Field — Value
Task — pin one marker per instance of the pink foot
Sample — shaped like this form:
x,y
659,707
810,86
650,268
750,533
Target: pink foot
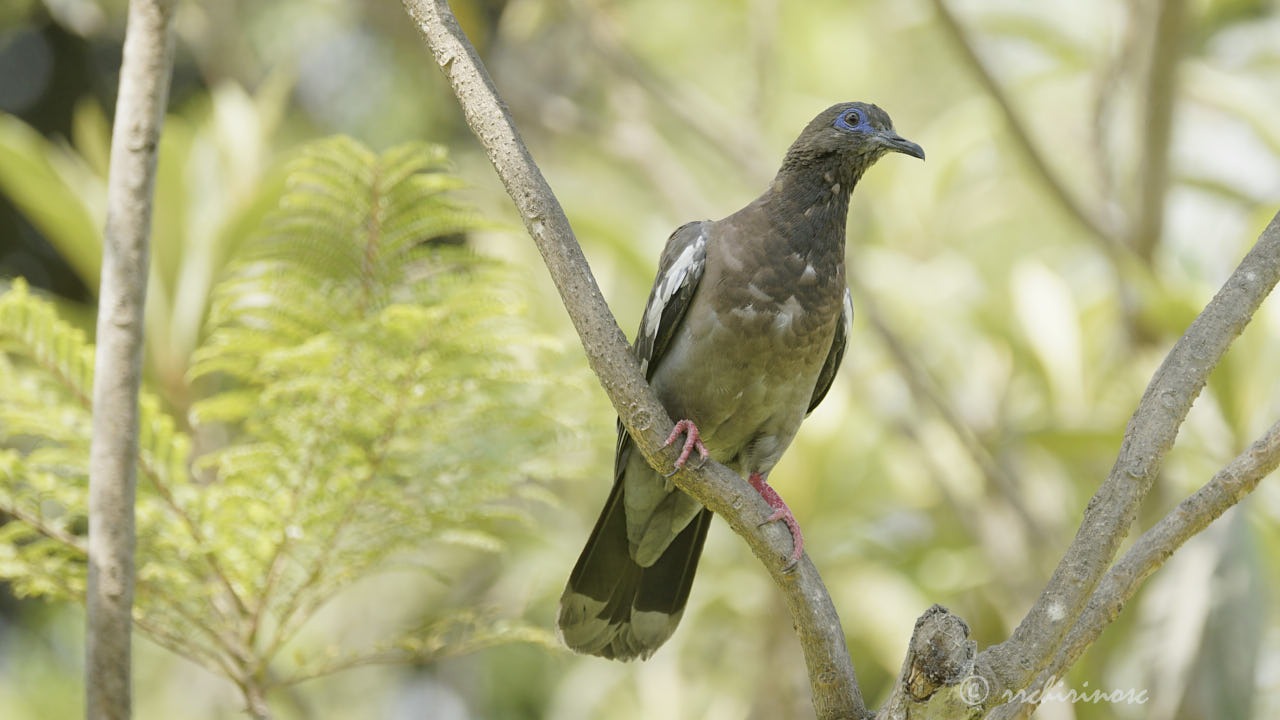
x,y
692,441
780,512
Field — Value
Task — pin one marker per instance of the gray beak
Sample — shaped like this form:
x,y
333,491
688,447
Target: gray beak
x,y
897,143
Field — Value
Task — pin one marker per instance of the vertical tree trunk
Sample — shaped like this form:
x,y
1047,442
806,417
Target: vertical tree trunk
x,y
144,90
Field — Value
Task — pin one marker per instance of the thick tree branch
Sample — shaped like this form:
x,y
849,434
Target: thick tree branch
x,y
144,90
1148,437
834,686
1061,626
1228,487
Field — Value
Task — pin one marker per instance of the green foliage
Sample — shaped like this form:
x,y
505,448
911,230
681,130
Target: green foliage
x,y
646,115
213,187
367,401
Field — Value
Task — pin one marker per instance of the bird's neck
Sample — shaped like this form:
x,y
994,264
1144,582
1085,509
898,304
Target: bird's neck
x,y
808,201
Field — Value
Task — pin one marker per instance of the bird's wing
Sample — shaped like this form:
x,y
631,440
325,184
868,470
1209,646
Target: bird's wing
x,y
835,355
679,270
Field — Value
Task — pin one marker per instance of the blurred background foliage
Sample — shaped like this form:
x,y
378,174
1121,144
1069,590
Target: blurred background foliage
x,y
1095,171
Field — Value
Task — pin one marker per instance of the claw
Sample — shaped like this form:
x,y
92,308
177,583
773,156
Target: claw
x,y
692,441
780,512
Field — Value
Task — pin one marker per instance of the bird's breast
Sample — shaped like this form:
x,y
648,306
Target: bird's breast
x,y
744,363
791,298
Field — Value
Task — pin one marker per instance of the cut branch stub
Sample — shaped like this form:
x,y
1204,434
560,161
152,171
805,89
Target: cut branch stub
x,y
941,653
937,679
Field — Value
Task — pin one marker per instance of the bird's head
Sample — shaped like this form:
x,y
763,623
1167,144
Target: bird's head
x,y
854,134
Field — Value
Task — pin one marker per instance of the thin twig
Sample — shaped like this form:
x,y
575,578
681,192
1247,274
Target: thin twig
x,y
255,698
1099,224
1106,90
275,567
300,607
207,553
182,645
394,657
1106,225
53,533
644,148
733,139
832,680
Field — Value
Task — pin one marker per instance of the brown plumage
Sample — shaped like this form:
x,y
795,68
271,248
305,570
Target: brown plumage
x,y
744,330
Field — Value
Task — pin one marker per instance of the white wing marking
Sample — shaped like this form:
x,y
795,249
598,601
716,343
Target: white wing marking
x,y
672,281
847,315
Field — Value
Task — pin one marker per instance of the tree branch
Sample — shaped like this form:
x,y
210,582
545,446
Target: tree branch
x,y
144,89
1147,439
834,686
1061,626
51,531
1228,487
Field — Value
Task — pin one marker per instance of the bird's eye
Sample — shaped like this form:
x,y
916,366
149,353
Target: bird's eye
x,y
850,120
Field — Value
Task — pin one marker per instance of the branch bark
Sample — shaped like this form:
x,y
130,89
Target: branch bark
x,y
144,90
1239,478
832,680
939,660
1061,626
1147,439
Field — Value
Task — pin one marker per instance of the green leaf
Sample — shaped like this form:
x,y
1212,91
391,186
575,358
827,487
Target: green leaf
x,y
51,186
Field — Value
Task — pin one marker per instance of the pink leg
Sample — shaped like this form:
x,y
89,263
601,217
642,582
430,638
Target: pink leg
x,y
780,512
692,441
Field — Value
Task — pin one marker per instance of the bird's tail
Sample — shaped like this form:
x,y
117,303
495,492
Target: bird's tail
x,y
613,607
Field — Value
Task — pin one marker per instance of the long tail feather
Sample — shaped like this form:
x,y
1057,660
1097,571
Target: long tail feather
x,y
613,607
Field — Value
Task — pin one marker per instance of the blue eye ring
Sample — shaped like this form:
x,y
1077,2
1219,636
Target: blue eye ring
x,y
852,119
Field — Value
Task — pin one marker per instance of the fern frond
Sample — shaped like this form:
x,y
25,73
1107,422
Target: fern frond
x,y
369,397
379,387
337,244
46,368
